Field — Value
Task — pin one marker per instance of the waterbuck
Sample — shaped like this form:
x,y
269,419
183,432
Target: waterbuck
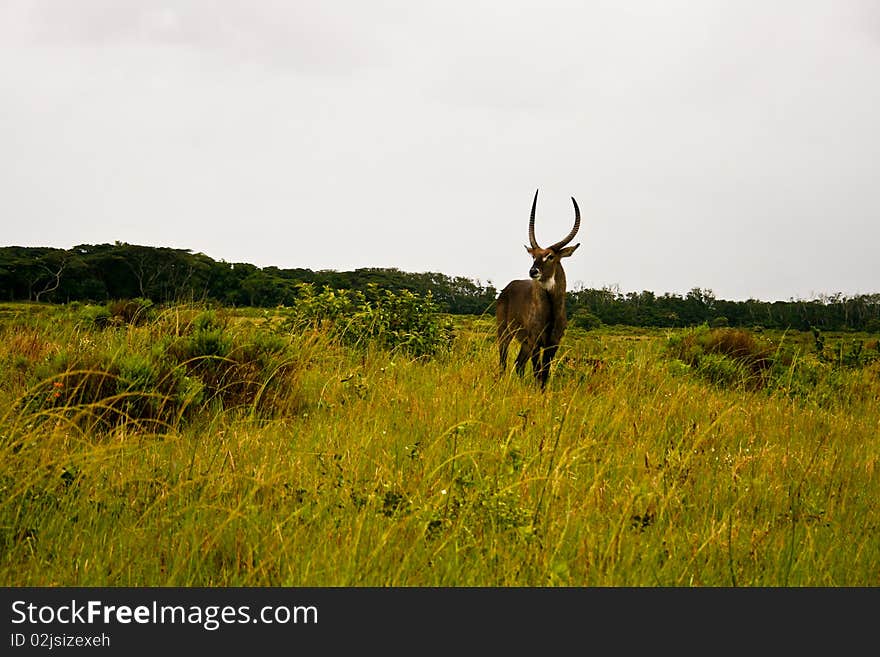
x,y
533,310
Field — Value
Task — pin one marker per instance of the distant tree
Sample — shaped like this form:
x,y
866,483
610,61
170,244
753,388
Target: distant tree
x,y
54,266
104,272
584,319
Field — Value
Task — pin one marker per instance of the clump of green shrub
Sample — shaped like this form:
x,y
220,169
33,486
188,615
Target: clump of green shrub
x,y
736,358
122,312
395,320
756,353
165,374
131,311
853,355
584,319
725,356
98,316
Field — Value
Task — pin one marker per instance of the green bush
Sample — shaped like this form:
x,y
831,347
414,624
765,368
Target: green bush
x,y
98,316
738,344
854,355
162,382
392,320
724,356
584,319
130,311
722,370
736,358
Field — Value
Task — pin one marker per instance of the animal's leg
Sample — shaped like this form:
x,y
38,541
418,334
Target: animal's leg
x,y
521,358
536,363
503,344
546,357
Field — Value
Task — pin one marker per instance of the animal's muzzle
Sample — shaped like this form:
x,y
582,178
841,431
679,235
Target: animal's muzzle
x,y
534,272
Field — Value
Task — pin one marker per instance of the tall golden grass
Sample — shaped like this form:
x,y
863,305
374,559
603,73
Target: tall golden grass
x,y
372,468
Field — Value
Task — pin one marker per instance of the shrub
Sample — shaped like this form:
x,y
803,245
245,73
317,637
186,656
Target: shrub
x,y
392,320
98,316
856,355
130,311
584,319
737,344
159,383
721,370
725,356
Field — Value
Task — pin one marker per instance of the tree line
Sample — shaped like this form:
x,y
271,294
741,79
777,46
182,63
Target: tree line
x,y
835,312
103,272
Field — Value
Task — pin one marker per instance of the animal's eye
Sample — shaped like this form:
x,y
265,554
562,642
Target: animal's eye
x,y
548,258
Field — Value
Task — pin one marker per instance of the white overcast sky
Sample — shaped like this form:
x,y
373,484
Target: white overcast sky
x,y
724,144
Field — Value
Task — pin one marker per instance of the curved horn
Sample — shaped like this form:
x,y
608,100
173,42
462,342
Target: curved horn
x,y
570,236
532,239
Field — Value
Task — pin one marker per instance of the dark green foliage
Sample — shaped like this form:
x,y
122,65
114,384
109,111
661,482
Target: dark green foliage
x,y
100,273
103,272
584,319
699,306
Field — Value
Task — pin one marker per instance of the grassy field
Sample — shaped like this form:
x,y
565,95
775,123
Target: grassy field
x,y
222,448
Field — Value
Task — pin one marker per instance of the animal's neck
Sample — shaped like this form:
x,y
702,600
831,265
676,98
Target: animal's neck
x,y
555,289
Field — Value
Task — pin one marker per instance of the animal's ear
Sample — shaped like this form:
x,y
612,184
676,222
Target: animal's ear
x,y
567,251
530,250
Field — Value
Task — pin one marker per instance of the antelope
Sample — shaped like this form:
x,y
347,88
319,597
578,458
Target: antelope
x,y
533,310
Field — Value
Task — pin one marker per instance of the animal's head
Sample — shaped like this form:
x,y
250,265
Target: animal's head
x,y
545,262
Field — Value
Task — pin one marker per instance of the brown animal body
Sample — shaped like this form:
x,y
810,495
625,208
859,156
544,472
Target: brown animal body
x,y
532,310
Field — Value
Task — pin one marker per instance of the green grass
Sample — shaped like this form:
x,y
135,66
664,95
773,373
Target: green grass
x,y
373,468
